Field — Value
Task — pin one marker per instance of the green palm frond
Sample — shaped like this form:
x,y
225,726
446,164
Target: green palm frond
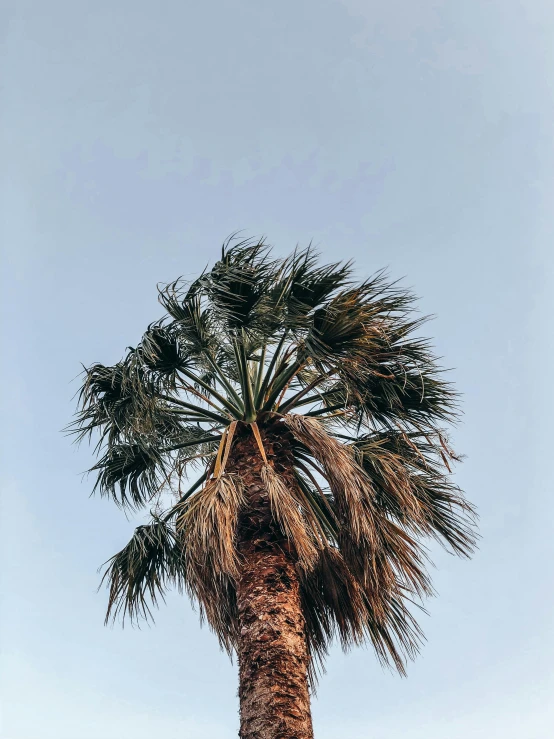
x,y
238,285
142,572
104,398
134,473
162,349
409,398
130,474
305,286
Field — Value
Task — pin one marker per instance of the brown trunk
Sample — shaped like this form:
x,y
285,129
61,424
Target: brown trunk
x,y
273,656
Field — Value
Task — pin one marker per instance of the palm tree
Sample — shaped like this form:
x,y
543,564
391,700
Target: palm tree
x,y
315,418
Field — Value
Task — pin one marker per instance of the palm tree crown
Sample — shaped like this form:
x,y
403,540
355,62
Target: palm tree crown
x,y
345,408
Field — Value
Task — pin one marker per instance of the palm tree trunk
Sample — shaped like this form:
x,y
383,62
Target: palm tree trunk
x,y
273,656
273,660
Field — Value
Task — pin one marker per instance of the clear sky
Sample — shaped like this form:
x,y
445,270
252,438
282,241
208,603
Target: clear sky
x,y
409,134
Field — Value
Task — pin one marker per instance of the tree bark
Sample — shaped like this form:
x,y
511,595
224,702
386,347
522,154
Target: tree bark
x,y
273,657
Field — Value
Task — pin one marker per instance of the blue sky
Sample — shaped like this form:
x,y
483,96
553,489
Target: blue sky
x,y
410,135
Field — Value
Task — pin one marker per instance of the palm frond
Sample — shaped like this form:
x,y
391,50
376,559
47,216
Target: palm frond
x,y
332,601
238,284
306,286
292,517
341,327
394,635
380,554
410,478
142,571
130,474
161,349
207,522
347,481
107,402
335,604
413,398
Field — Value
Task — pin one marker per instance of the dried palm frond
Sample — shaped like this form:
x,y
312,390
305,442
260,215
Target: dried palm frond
x,y
409,474
207,523
335,604
381,555
292,518
350,486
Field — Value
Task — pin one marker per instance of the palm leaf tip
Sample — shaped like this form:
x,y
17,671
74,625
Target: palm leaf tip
x,y
130,474
336,604
161,350
142,571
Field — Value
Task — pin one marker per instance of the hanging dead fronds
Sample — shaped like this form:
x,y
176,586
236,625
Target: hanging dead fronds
x,y
350,487
207,523
381,555
289,514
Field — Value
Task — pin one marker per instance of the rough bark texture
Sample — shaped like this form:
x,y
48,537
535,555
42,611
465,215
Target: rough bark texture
x,y
273,657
